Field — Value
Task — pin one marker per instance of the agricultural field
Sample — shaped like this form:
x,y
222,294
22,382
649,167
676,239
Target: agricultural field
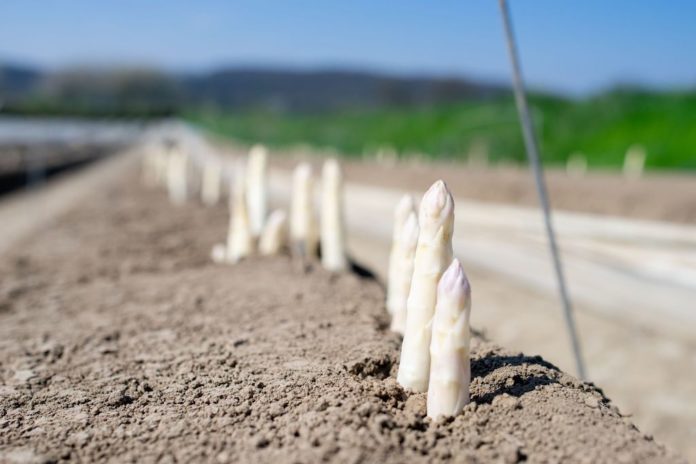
x,y
347,232
140,323
602,128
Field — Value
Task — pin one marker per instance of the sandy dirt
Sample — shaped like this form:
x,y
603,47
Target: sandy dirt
x,y
616,349
120,341
616,352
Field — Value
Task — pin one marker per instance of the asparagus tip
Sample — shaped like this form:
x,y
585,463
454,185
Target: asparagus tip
x,y
437,200
454,280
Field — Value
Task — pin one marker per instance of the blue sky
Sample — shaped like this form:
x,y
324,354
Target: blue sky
x,y
579,46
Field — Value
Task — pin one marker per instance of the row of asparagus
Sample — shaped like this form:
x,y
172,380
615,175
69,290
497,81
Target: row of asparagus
x,y
428,293
251,229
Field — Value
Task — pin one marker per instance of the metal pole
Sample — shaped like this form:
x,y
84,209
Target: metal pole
x,y
532,149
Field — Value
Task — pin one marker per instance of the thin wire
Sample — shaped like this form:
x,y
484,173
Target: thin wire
x,y
532,149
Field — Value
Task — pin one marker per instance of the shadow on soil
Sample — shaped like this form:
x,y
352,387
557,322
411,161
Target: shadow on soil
x,y
515,384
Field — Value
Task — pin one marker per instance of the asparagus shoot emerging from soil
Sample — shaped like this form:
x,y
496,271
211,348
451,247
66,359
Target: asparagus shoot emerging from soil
x,y
240,243
212,175
402,211
333,256
177,182
403,272
256,188
219,253
274,236
450,372
303,229
433,254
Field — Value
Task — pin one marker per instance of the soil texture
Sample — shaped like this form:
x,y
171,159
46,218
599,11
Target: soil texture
x,y
121,342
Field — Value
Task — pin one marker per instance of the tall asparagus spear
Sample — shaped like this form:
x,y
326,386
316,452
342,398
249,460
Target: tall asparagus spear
x,y
433,254
303,229
256,188
450,371
333,256
177,182
240,242
212,174
402,211
403,272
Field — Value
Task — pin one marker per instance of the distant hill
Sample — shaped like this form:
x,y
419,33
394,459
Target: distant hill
x,y
230,89
328,90
17,81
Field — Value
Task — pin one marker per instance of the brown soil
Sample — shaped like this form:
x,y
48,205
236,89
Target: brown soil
x,y
120,341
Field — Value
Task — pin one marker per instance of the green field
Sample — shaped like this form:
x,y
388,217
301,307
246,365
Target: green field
x,y
602,128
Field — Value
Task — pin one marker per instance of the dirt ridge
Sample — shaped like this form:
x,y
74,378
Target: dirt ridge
x,y
121,342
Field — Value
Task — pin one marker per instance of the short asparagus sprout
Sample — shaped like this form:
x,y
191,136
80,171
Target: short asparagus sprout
x,y
219,253
433,254
256,188
274,236
303,228
634,161
333,255
450,371
576,166
212,177
401,213
403,272
240,242
177,182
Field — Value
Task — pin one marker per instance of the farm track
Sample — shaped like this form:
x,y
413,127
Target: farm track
x,y
121,341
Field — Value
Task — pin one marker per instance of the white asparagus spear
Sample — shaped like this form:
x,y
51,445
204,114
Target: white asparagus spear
x,y
433,254
161,166
177,182
402,211
303,229
333,256
212,176
403,271
274,236
256,188
450,371
240,242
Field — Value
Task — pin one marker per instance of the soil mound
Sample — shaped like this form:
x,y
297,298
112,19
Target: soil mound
x,y
120,341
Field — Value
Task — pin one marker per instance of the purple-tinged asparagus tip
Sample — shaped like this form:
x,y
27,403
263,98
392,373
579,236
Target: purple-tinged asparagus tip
x,y
454,283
